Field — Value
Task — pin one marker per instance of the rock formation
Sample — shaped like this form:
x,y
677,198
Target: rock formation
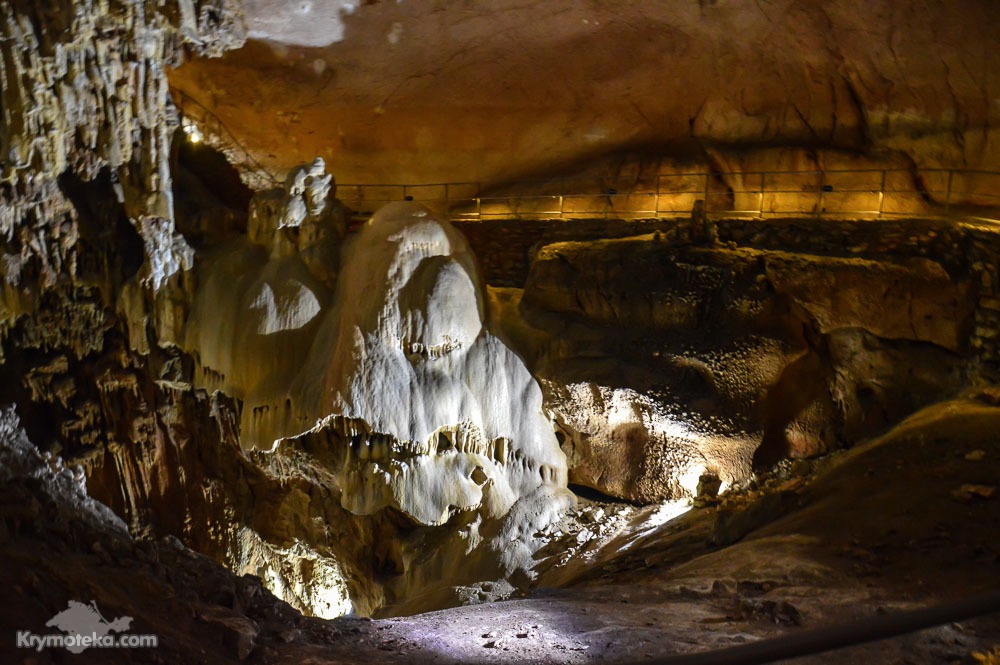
x,y
434,413
665,361
57,544
475,92
236,408
390,389
85,89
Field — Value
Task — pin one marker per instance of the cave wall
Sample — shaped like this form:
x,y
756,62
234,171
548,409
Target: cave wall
x,y
691,352
507,247
483,91
85,89
98,286
94,273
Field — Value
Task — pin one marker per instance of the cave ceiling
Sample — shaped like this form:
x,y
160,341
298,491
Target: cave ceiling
x,y
240,412
416,92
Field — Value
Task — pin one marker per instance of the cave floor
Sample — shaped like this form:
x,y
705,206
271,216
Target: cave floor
x,y
882,527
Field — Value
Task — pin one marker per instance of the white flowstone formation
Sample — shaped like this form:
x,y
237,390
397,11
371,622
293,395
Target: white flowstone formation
x,y
428,411
261,299
308,189
387,390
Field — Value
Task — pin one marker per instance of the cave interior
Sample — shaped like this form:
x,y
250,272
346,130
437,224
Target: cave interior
x,y
500,332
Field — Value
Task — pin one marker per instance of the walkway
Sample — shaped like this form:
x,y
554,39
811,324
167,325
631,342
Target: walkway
x,y
868,193
858,194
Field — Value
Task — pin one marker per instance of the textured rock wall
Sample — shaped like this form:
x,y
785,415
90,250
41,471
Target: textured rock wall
x,y
167,458
85,89
94,291
489,91
667,358
90,268
505,249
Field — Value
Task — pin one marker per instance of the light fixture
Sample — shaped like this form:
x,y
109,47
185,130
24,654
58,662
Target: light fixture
x,y
192,131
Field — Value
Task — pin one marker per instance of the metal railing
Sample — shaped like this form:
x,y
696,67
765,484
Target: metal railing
x,y
217,135
845,193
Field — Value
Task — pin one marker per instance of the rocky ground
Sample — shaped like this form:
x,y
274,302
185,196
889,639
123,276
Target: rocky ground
x,y
899,522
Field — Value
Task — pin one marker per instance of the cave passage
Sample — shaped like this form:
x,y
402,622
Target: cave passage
x,y
479,333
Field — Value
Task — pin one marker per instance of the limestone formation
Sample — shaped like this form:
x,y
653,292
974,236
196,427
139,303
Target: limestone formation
x,y
397,370
627,444
410,96
391,392
663,361
238,408
261,296
85,89
432,412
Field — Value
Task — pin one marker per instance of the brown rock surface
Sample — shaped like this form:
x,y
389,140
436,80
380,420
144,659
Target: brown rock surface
x,y
490,91
665,361
136,274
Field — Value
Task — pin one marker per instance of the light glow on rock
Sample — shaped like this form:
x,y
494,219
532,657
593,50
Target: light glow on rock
x,y
192,131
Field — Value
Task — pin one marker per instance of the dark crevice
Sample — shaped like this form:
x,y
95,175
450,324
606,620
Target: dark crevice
x,y
109,246
596,496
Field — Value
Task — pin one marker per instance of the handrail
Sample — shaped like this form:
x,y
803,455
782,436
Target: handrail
x,y
472,200
714,173
875,193
222,137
